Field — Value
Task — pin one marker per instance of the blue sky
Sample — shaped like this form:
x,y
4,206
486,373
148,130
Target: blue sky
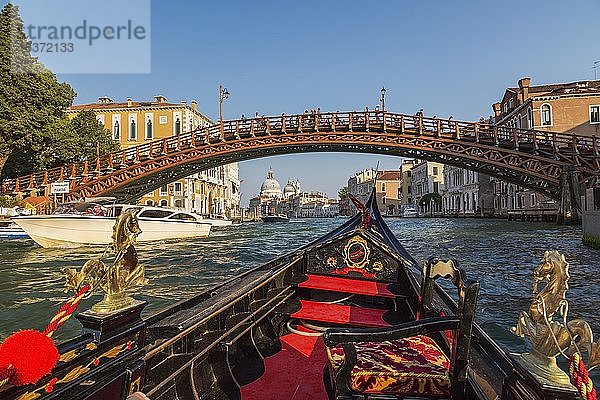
x,y
447,57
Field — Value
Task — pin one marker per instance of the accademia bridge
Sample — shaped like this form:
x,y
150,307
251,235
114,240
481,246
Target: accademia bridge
x,y
555,164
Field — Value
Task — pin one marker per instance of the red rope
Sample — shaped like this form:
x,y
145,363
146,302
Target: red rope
x,y
61,316
580,377
65,311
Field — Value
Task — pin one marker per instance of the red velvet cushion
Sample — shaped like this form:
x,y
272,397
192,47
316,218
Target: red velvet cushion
x,y
413,366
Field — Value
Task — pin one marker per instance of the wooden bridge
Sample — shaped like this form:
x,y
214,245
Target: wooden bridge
x,y
547,162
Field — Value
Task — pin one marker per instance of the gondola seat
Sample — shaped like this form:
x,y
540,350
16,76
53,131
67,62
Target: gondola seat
x,y
414,365
424,358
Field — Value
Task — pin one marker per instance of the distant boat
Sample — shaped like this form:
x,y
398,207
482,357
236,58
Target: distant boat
x,y
10,230
410,212
275,218
82,224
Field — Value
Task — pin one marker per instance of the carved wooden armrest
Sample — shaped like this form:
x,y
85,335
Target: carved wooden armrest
x,y
424,326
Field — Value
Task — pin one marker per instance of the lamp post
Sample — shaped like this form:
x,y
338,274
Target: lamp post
x,y
223,94
382,98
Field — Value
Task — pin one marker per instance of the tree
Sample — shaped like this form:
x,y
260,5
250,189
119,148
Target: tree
x,y
343,193
32,101
67,141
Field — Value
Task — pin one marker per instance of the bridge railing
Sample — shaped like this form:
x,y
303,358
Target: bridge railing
x,y
569,146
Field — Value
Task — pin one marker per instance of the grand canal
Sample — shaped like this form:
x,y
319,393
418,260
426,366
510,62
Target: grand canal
x,y
500,254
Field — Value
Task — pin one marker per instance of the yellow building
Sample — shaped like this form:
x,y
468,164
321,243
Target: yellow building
x,y
211,192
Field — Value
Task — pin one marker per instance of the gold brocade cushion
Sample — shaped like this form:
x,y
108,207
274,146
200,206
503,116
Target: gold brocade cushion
x,y
412,366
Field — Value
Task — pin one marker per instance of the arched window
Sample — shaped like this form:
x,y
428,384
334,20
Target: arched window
x,y
546,114
177,126
163,203
149,202
116,131
132,132
149,132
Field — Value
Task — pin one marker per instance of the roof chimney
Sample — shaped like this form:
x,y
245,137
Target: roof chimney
x,y
160,99
497,109
524,85
194,105
104,100
129,102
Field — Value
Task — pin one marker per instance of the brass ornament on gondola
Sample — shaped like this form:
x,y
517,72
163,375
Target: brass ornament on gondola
x,y
356,253
113,280
550,337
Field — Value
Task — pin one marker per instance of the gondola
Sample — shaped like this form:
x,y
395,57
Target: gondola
x,y
350,315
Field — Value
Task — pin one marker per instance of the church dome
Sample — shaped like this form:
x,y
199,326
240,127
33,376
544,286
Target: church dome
x,y
289,189
270,186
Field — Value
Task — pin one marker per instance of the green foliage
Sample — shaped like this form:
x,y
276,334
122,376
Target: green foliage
x,y
343,192
32,101
10,202
426,199
592,241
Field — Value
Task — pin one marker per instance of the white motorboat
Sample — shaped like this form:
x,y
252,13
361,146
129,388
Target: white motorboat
x,y
10,230
218,220
410,211
91,224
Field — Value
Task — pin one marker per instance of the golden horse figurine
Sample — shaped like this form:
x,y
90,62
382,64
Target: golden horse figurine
x,y
116,279
548,337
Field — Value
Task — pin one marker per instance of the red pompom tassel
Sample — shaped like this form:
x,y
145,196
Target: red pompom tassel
x,y
31,353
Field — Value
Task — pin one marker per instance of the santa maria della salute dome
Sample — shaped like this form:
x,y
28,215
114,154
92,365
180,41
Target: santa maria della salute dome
x,y
270,187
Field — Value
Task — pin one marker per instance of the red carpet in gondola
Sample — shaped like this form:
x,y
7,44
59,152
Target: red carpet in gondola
x,y
345,285
340,314
296,372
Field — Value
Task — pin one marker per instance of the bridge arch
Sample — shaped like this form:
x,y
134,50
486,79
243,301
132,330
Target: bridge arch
x,y
533,159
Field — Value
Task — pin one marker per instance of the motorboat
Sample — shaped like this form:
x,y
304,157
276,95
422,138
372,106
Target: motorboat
x,y
275,218
10,230
410,211
350,315
218,220
91,223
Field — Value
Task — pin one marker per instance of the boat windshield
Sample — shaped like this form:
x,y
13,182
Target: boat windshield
x,y
183,217
81,209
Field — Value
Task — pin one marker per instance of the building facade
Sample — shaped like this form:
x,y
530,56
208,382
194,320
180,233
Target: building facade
x,y
427,184
291,202
406,195
131,123
466,193
564,107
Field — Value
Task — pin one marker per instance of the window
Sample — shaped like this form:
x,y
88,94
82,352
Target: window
x,y
155,213
132,132
435,170
532,200
383,187
183,217
116,131
178,188
529,118
164,191
149,202
163,203
594,114
546,115
149,133
177,126
510,103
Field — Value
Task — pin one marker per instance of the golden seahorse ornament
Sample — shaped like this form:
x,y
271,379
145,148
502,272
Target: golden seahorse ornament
x,y
550,337
113,280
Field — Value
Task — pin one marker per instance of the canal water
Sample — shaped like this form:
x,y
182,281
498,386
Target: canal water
x,y
500,254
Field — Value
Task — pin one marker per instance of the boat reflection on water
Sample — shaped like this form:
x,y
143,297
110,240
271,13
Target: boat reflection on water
x,y
350,315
